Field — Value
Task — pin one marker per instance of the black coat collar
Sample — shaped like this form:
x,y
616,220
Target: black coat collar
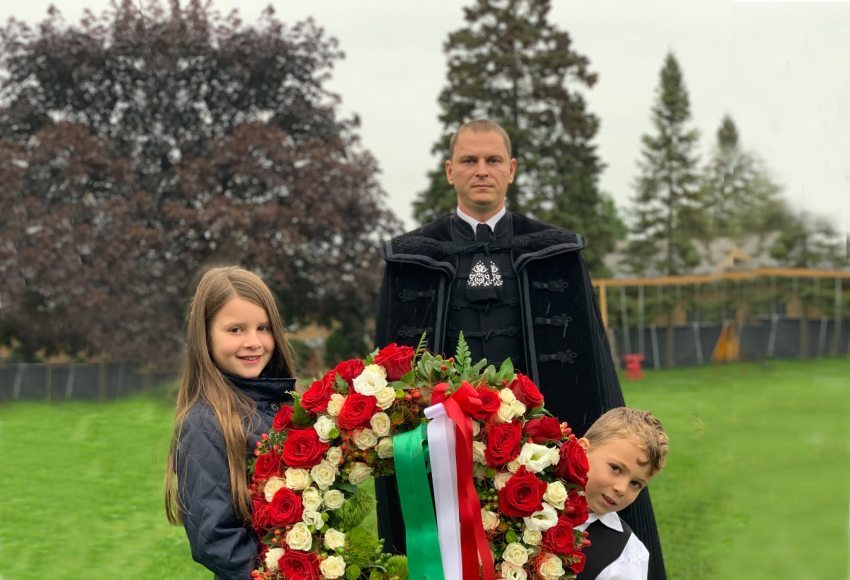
x,y
433,241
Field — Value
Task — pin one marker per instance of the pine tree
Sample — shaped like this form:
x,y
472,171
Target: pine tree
x,y
739,198
666,206
511,65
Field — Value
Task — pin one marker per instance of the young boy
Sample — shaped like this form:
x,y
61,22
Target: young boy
x,y
625,449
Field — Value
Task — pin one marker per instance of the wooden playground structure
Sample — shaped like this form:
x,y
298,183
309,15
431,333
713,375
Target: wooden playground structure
x,y
817,301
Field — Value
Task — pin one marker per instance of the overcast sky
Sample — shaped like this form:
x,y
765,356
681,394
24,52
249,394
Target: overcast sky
x,y
780,69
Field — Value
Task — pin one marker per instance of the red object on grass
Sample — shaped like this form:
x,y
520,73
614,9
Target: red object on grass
x,y
633,366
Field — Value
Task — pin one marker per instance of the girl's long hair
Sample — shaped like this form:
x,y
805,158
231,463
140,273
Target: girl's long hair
x,y
202,381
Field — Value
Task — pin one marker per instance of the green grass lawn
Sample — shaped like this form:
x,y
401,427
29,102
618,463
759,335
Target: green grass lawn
x,y
756,485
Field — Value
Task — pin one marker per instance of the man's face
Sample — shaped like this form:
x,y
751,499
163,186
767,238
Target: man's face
x,y
480,171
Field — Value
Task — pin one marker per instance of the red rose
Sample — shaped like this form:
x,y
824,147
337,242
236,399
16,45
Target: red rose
x,y
396,359
302,448
490,403
315,399
526,391
559,538
503,443
283,418
575,508
542,429
298,564
356,411
266,465
577,564
522,495
573,465
285,508
348,370
260,516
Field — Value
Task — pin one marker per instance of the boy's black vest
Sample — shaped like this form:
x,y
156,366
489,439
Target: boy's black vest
x,y
606,545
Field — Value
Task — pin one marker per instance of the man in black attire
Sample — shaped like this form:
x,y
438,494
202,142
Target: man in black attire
x,y
517,288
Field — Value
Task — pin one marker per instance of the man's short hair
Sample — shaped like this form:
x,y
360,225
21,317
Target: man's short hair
x,y
480,126
641,426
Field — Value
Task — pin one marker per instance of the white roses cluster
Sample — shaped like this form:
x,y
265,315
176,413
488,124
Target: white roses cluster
x,y
511,406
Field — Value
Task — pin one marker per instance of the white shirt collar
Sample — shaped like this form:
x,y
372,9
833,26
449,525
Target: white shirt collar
x,y
474,222
611,520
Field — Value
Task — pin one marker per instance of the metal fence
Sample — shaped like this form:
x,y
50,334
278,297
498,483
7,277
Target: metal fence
x,y
771,337
77,381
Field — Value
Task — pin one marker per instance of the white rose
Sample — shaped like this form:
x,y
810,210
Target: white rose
x,y
334,499
518,407
536,457
515,553
478,448
476,428
385,397
385,448
556,494
511,572
381,424
513,466
332,567
297,478
489,519
311,499
271,487
299,537
542,520
334,539
359,473
365,438
272,556
335,404
325,426
334,456
371,380
313,518
505,414
532,537
507,395
324,474
551,568
501,479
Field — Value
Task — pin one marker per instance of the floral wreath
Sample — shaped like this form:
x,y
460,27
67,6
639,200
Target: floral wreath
x,y
524,473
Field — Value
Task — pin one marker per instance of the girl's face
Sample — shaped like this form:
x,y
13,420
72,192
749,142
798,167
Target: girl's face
x,y
241,339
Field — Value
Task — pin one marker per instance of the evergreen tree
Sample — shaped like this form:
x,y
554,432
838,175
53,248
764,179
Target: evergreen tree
x,y
807,241
511,65
666,206
739,197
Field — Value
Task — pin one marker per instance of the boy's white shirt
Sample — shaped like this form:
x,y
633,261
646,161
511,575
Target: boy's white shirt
x,y
633,563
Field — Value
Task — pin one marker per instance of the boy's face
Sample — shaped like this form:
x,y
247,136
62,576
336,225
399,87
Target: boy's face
x,y
618,471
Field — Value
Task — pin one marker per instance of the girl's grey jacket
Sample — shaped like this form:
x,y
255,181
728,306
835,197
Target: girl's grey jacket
x,y
219,540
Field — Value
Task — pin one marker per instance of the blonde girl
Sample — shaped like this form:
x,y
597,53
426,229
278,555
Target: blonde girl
x,y
238,370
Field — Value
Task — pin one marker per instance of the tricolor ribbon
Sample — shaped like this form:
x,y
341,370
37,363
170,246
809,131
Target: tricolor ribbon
x,y
474,546
423,547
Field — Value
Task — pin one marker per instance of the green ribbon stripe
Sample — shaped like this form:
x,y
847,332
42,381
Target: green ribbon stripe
x,y
423,544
